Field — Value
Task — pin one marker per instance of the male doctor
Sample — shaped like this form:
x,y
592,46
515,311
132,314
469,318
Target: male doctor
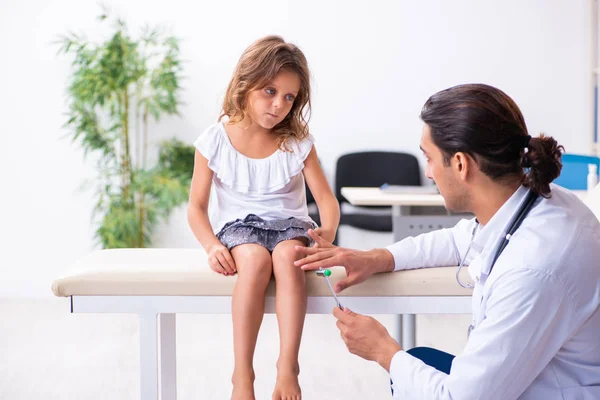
x,y
533,254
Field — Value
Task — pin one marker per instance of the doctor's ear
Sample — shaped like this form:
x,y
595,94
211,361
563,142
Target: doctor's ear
x,y
461,163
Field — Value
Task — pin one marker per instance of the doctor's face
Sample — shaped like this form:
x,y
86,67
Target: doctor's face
x,y
445,177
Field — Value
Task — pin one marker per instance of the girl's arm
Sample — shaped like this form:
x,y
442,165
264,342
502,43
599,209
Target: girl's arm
x,y
329,208
219,257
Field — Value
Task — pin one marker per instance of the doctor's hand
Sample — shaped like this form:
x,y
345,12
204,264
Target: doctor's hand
x,y
366,337
359,265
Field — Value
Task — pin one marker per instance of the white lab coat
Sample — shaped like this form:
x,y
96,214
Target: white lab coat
x,y
536,317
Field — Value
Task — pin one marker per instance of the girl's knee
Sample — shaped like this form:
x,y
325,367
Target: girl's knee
x,y
286,251
251,252
252,259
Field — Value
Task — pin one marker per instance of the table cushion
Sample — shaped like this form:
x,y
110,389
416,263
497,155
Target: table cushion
x,y
185,272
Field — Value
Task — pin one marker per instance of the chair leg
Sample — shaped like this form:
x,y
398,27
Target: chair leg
x,y
408,331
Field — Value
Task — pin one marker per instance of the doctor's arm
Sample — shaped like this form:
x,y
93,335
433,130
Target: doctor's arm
x,y
439,248
527,321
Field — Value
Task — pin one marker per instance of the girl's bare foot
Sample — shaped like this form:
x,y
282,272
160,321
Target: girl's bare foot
x,y
287,386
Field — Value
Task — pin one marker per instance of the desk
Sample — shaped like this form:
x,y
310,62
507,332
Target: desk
x,y
369,196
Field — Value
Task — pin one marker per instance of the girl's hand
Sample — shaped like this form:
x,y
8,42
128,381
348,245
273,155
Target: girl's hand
x,y
328,236
220,260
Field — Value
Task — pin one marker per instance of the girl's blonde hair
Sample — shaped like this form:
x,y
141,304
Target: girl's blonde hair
x,y
258,65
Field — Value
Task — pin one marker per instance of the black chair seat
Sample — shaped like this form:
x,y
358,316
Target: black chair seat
x,y
378,223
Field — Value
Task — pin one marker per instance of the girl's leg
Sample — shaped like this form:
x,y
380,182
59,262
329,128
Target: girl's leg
x,y
290,306
254,268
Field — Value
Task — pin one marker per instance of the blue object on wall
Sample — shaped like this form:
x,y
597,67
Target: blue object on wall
x,y
574,172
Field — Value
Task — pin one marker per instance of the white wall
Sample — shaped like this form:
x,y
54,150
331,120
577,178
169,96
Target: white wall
x,y
374,65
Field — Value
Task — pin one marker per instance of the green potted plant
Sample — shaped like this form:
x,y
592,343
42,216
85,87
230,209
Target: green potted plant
x,y
115,88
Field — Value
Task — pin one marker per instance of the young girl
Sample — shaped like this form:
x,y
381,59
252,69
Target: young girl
x,y
257,161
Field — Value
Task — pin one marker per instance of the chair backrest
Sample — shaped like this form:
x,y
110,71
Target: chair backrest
x,y
574,172
374,168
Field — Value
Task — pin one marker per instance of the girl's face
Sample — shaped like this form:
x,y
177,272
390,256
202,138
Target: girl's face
x,y
270,105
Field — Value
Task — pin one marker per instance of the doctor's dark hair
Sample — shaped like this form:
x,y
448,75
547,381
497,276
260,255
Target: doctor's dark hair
x,y
486,124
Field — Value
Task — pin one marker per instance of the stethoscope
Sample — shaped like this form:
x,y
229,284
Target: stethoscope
x,y
514,224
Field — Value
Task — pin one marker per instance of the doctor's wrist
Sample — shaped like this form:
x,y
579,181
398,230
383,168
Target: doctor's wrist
x,y
389,349
383,260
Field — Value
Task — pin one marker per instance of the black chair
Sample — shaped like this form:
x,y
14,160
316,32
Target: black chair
x,y
373,169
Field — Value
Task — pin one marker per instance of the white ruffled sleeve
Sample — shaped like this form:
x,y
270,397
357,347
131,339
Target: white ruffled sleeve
x,y
208,144
302,149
